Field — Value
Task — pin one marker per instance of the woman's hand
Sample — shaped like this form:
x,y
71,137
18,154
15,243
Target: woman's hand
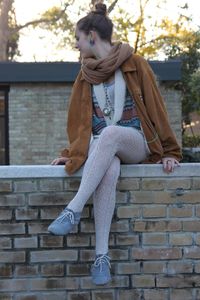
x,y
169,163
60,161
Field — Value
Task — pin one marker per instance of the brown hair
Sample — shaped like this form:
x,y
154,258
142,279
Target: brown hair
x,y
98,21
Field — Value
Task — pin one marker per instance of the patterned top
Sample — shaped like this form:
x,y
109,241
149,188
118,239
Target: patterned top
x,y
129,116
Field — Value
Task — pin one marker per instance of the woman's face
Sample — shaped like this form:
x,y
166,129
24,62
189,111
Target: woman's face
x,y
83,43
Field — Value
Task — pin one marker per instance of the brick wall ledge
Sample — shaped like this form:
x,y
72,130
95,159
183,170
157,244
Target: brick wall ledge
x,y
48,171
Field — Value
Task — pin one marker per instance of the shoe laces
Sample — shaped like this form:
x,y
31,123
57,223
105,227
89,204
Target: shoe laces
x,y
66,214
102,259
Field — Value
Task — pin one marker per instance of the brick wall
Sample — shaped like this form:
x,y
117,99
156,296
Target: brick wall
x,y
37,120
154,239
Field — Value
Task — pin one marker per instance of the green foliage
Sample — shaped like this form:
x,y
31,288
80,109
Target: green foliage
x,y
194,85
191,141
62,26
188,52
190,156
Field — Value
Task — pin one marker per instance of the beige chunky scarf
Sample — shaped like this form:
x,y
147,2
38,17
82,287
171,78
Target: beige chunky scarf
x,y
96,71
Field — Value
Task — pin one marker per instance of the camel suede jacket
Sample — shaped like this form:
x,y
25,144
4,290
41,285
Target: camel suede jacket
x,y
150,106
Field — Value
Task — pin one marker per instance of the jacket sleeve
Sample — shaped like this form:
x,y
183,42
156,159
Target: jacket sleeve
x,y
156,110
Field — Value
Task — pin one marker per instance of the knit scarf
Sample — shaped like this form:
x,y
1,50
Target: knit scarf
x,y
96,71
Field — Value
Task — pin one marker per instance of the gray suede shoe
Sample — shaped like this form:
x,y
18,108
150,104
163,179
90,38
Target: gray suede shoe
x,y
100,270
64,222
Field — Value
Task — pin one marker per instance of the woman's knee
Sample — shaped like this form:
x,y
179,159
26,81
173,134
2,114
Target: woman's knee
x,y
110,133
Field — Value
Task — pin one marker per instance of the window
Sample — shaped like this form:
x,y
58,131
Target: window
x,y
4,151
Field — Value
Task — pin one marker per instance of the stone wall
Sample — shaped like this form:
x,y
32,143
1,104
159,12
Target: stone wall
x,y
37,120
154,240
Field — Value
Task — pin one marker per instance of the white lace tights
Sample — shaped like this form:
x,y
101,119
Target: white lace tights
x,y
100,174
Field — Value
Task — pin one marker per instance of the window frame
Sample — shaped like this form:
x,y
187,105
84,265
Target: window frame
x,y
6,89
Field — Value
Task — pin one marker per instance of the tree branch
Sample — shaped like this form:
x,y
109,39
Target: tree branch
x,y
39,21
112,6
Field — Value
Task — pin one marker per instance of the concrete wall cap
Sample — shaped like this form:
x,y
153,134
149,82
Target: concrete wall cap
x,y
48,171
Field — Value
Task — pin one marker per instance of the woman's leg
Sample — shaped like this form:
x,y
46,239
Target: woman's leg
x,y
126,143
104,205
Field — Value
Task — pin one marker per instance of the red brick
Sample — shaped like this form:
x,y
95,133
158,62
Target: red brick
x,y
14,285
12,257
26,214
5,271
103,295
128,211
128,268
38,228
117,282
50,199
193,226
144,281
154,211
127,239
120,226
155,253
121,197
197,210
27,242
154,267
79,296
129,294
87,255
5,186
154,238
54,284
54,255
50,241
180,239
196,183
185,211
178,267
156,294
6,296
118,254
128,184
192,252
26,271
176,281
49,213
51,185
12,200
72,184
25,186
78,241
151,197
5,214
156,226
153,184
180,294
18,228
5,243
28,296
54,270
78,269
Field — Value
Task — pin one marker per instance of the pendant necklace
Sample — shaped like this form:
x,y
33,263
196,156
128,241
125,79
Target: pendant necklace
x,y
108,109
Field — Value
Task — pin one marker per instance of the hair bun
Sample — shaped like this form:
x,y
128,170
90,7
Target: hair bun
x,y
100,9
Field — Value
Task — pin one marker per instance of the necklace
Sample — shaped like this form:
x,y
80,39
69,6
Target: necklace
x,y
108,109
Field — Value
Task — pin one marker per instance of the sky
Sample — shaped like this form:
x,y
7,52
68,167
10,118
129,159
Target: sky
x,y
39,45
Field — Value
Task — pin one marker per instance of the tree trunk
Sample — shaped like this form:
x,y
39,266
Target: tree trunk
x,y
6,6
